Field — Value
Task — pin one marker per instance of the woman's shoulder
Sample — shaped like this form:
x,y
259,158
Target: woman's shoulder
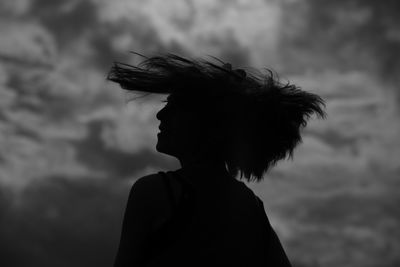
x,y
153,184
144,185
148,179
150,192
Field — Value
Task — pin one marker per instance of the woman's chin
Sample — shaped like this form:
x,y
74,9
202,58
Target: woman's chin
x,y
159,148
161,145
163,150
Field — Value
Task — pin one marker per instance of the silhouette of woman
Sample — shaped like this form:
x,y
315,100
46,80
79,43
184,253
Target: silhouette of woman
x,y
219,123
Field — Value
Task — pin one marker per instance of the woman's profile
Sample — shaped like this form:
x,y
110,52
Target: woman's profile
x,y
220,123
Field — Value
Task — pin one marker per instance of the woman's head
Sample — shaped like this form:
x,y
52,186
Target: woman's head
x,y
249,121
182,132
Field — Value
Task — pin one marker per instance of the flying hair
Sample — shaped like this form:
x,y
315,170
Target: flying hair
x,y
262,118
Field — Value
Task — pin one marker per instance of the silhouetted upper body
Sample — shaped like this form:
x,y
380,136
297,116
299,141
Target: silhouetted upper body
x,y
218,122
220,223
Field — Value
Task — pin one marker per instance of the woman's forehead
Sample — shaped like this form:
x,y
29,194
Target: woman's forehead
x,y
186,102
192,100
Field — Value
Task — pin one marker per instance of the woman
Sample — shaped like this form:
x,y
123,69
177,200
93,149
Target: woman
x,y
219,123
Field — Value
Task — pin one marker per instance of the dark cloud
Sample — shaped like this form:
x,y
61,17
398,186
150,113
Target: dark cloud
x,y
58,221
230,49
65,221
145,39
360,226
339,140
66,19
342,34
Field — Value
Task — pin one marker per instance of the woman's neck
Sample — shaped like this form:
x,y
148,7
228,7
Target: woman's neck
x,y
201,172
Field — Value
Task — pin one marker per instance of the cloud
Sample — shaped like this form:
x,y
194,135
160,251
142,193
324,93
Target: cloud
x,y
42,106
102,150
72,147
14,8
362,122
26,43
201,27
65,19
358,221
345,35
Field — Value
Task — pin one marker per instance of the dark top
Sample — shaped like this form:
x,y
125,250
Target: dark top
x,y
222,225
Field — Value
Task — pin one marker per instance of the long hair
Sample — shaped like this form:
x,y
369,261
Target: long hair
x,y
261,117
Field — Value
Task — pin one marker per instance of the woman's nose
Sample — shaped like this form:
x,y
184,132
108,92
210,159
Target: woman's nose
x,y
161,114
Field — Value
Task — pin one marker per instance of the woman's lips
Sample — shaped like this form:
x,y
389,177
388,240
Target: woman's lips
x,y
162,130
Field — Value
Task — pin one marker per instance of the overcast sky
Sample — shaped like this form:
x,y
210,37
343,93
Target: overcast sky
x,y
60,118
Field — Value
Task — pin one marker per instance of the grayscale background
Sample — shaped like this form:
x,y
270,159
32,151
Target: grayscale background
x,y
71,145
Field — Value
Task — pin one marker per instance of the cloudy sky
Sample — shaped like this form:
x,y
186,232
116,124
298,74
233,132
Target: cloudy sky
x,y
71,145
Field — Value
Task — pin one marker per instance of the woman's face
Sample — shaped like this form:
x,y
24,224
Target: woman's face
x,y
180,135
